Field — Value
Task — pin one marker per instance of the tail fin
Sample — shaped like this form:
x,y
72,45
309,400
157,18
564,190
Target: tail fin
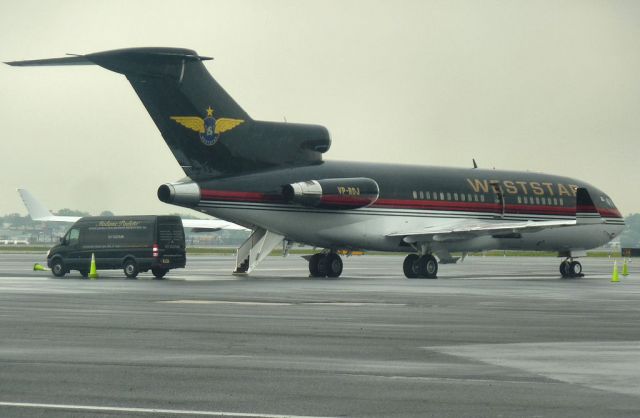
x,y
39,212
207,131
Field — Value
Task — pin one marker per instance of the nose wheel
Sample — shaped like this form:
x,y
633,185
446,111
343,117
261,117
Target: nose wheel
x,y
325,265
423,267
571,268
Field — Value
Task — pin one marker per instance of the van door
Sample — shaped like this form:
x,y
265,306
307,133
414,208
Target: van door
x,y
171,242
73,258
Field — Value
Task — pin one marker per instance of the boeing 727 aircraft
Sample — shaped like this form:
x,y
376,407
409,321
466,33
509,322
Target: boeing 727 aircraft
x,y
271,177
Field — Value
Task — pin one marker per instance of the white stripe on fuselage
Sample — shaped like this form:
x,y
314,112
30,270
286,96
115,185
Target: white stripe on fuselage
x,y
367,228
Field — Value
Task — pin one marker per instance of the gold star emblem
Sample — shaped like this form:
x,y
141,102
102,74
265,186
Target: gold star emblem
x,y
209,112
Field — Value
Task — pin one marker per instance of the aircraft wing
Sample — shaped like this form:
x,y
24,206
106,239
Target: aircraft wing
x,y
39,212
463,230
211,224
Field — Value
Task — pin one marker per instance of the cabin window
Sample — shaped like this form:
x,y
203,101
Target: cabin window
x,y
455,196
482,198
475,197
555,201
519,199
544,200
435,196
537,200
448,196
427,195
415,194
421,194
462,197
561,201
441,196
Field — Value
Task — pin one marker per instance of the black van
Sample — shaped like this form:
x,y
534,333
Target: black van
x,y
133,243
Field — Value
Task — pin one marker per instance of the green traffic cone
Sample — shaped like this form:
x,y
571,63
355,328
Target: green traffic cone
x,y
614,275
39,267
93,274
625,268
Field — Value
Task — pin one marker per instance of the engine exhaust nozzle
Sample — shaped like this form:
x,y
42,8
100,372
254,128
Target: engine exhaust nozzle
x,y
183,194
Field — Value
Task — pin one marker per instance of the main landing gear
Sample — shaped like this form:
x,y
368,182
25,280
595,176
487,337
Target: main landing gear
x,y
325,265
571,268
423,267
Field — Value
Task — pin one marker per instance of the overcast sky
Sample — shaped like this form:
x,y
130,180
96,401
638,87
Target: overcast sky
x,y
551,86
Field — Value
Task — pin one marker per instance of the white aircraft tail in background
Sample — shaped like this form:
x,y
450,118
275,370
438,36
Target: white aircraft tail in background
x,y
39,212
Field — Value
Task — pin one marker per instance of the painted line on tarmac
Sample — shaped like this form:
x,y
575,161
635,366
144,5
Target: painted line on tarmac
x,y
223,302
231,302
149,410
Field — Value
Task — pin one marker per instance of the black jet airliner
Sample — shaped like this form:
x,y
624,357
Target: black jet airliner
x,y
271,177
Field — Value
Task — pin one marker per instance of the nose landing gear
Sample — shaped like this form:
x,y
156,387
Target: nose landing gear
x,y
571,268
424,267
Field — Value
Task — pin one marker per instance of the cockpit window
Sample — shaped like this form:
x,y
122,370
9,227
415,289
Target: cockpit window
x,y
607,201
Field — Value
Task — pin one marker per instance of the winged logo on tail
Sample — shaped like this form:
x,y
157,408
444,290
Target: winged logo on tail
x,y
208,128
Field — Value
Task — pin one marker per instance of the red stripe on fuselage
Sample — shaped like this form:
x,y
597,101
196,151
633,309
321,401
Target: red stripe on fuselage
x,y
610,213
227,195
256,197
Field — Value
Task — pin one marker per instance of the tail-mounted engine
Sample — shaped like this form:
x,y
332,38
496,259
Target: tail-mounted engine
x,y
347,193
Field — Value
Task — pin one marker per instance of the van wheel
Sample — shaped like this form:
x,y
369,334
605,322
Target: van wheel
x,y
158,272
130,268
57,268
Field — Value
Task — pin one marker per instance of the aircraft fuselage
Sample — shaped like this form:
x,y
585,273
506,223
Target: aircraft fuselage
x,y
411,197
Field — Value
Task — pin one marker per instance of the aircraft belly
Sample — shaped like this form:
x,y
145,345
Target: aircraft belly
x,y
348,229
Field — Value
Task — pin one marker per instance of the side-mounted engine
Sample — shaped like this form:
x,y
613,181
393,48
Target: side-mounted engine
x,y
341,193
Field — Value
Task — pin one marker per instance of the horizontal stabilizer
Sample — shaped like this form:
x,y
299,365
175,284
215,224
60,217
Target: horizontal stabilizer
x,y
98,58
71,60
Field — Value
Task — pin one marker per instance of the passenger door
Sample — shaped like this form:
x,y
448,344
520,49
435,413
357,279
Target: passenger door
x,y
496,188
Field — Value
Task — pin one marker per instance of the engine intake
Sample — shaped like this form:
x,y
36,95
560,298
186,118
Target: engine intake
x,y
341,193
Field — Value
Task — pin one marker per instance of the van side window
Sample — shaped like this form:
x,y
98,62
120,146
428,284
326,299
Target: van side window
x,y
74,234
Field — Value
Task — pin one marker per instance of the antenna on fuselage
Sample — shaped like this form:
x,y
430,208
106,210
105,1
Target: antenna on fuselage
x,y
475,165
